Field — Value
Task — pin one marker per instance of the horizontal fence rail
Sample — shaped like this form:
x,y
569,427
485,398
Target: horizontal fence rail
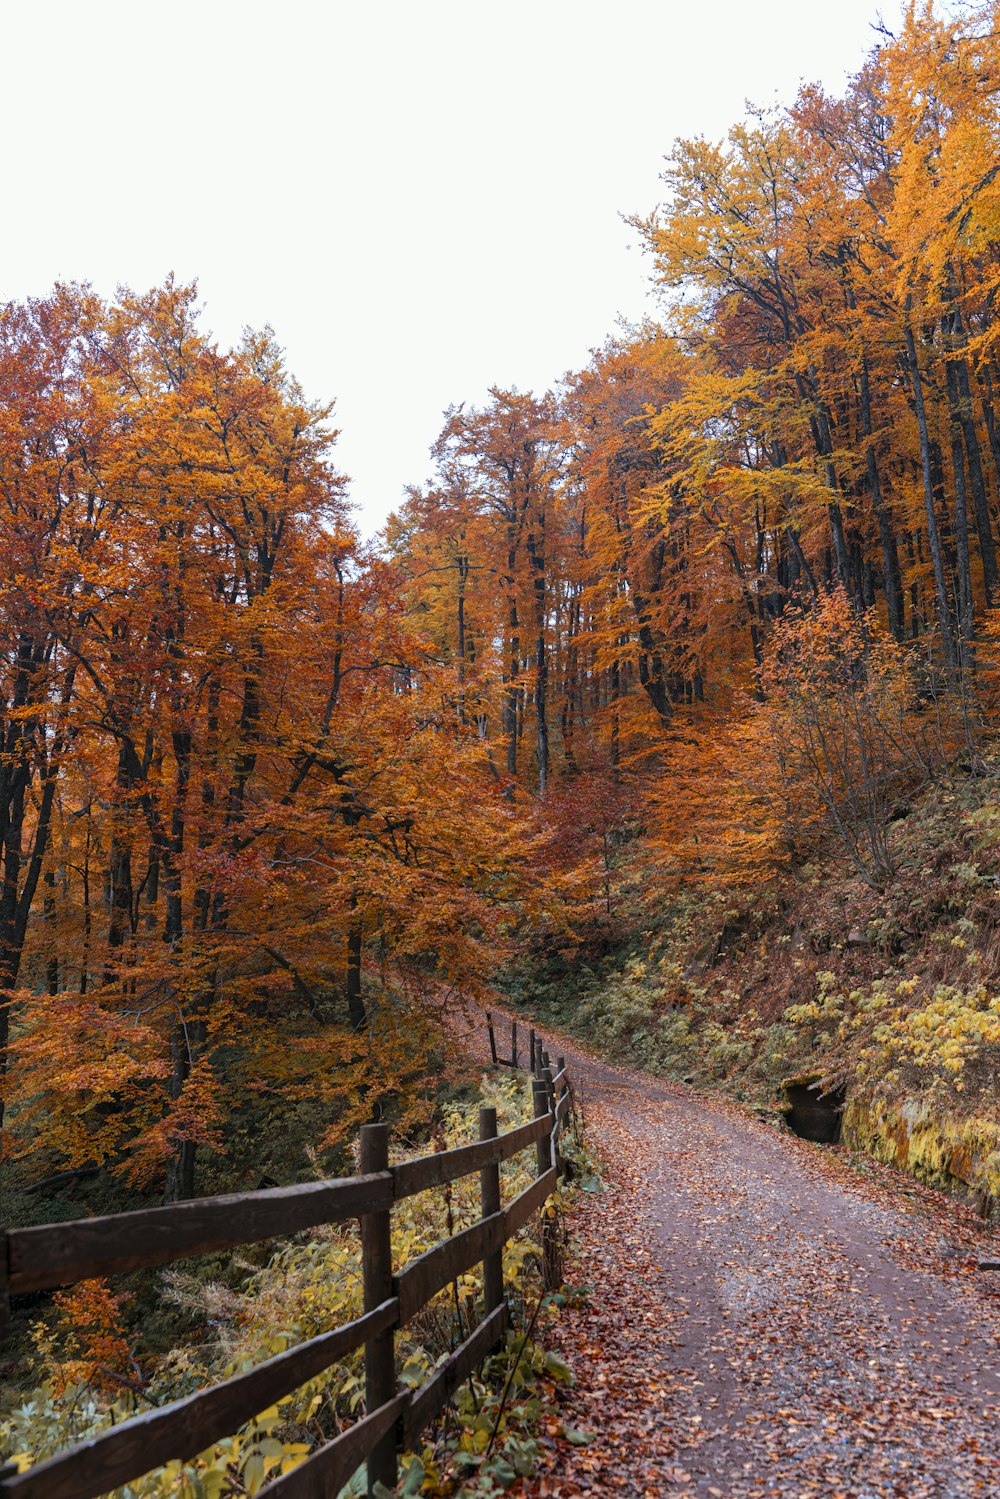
x,y
60,1254
43,1258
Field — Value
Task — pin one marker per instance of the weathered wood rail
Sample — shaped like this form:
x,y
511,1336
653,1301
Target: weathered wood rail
x,y
60,1254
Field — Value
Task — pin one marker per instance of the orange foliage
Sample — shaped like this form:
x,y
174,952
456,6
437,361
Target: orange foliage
x,y
86,1345
723,595
804,459
243,804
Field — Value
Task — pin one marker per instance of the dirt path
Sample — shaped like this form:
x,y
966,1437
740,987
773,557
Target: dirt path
x,y
764,1320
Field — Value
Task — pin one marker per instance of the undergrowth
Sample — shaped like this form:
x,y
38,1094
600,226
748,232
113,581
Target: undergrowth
x,y
89,1374
891,993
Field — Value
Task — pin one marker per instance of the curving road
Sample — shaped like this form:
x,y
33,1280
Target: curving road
x,y
793,1326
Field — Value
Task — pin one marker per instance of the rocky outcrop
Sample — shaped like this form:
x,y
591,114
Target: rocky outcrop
x,y
946,1150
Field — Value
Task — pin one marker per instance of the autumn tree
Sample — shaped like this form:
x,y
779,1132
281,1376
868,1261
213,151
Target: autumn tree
x,y
236,773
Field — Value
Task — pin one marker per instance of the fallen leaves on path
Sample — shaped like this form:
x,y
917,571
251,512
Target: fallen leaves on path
x,y
764,1320
614,1340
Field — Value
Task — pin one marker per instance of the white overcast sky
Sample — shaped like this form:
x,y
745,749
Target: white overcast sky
x,y
421,198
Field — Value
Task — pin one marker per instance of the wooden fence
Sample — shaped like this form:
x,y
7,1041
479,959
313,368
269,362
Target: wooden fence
x,y
59,1254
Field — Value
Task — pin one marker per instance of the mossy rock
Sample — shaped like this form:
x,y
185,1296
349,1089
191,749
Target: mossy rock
x,y
946,1150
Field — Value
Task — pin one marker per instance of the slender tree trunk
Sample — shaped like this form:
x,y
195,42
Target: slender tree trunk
x,y
463,574
820,425
356,1013
179,1183
571,686
984,526
203,895
152,891
120,893
49,913
960,403
513,664
87,918
22,869
933,532
963,561
536,554
989,417
890,556
541,713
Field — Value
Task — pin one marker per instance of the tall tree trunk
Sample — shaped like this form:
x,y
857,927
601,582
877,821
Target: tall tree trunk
x,y
892,579
571,686
933,532
962,559
25,749
463,574
180,1178
180,1164
989,416
356,1013
49,916
821,428
152,890
206,830
536,554
120,893
960,403
513,663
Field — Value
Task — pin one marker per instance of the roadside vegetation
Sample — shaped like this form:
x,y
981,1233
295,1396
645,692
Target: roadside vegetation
x,y
87,1362
888,997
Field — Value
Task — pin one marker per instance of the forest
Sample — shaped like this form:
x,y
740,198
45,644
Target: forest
x,y
663,710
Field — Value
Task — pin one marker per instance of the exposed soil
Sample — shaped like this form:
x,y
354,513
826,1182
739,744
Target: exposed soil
x,y
767,1316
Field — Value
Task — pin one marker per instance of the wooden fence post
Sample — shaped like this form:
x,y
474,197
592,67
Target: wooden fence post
x,y
551,1256
550,1088
543,1150
513,1043
561,1071
376,1260
531,1050
493,1039
489,1182
546,1073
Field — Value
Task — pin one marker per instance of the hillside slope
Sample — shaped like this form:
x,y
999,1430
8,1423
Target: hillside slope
x,y
884,1002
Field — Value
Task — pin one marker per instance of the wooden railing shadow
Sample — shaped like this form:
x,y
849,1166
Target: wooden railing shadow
x,y
36,1259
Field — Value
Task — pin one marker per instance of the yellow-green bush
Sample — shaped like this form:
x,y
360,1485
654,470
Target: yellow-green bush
x,y
922,1070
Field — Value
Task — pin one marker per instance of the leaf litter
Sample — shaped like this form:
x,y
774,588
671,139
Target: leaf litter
x,y
765,1317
